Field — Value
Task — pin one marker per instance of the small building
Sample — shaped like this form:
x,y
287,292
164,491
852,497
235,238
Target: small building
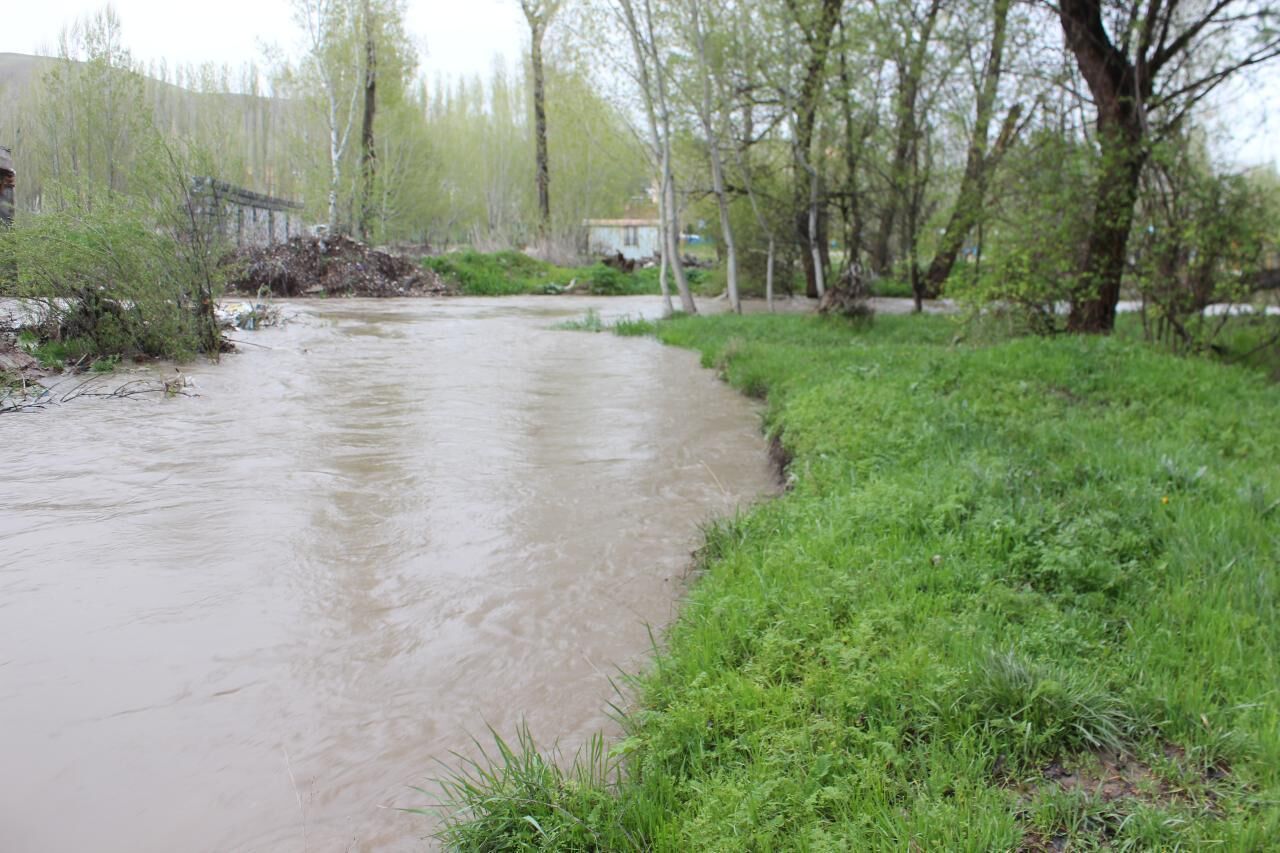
x,y
8,180
634,239
246,218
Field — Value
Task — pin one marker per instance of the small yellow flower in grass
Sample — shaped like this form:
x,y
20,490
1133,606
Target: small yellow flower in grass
x,y
1165,500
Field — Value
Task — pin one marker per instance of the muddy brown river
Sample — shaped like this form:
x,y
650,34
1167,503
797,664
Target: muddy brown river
x,y
253,620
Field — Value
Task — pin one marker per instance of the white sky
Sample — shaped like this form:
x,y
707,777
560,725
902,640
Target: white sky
x,y
461,38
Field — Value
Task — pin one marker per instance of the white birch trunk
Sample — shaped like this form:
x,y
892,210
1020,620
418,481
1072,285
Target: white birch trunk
x,y
818,276
768,275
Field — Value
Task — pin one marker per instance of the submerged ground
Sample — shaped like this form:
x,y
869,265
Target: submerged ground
x,y
1021,596
254,618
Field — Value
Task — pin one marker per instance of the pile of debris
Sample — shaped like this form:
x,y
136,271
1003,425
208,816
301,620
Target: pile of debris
x,y
17,366
850,295
329,266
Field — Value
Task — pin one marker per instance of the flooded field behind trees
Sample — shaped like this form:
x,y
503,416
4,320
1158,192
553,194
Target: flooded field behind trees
x,y
253,619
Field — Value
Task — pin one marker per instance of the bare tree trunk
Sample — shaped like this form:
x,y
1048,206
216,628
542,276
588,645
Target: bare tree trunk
x,y
768,275
664,223
673,237
815,238
651,76
707,115
967,212
973,186
368,151
540,131
726,230
539,14
335,163
910,77
818,38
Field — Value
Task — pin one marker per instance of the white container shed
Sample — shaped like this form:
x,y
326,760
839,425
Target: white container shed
x,y
634,239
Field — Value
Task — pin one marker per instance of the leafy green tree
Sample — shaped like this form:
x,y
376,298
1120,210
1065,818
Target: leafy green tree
x,y
1147,63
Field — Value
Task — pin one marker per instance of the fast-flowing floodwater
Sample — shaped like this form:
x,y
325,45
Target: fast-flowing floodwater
x,y
253,619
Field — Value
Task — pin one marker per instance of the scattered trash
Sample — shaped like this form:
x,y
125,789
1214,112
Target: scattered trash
x,y
329,266
248,316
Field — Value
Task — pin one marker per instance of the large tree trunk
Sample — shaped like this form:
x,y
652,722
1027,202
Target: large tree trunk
x,y
1094,310
1114,84
368,151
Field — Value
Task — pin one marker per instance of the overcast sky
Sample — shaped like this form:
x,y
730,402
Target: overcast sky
x,y
459,37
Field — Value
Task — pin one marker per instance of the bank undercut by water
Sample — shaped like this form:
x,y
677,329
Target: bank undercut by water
x,y
1018,597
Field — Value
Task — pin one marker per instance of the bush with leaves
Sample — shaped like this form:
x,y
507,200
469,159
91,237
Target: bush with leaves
x,y
1201,239
117,274
1034,239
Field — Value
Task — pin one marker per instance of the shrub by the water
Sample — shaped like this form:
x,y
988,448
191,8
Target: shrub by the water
x,y
109,280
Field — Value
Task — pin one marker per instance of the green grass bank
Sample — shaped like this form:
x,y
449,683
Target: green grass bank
x,y
516,274
1019,596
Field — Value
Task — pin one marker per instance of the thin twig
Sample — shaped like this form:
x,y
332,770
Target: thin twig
x,y
302,812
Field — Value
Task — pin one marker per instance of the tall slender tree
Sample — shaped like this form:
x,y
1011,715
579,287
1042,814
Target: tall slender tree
x,y
368,148
332,67
980,159
817,29
640,21
539,14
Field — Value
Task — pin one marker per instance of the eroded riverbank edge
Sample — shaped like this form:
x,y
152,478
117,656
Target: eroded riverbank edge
x,y
843,669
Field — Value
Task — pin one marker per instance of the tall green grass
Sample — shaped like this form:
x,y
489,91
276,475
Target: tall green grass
x,y
992,559
515,273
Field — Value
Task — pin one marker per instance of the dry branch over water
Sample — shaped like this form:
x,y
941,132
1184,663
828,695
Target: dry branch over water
x,y
32,397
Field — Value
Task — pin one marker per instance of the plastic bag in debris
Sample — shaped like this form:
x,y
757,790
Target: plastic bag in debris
x,y
247,316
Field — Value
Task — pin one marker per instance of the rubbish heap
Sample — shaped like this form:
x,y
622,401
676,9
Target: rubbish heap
x,y
328,266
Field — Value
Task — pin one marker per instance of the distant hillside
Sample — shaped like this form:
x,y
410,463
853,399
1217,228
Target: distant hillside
x,y
252,132
18,69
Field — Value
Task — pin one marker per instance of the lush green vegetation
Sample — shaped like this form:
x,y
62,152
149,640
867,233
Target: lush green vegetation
x,y
588,322
997,567
515,273
107,281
